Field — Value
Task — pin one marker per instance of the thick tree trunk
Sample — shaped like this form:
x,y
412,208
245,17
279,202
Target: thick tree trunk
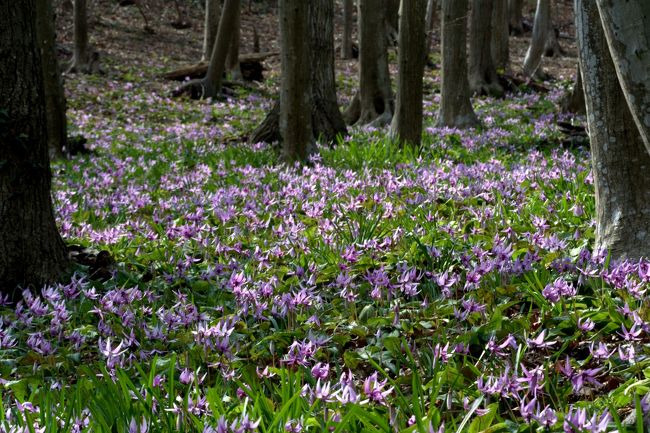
x,y
574,101
620,162
232,62
31,250
515,16
483,78
500,35
535,51
627,28
326,116
295,100
428,25
327,122
373,104
212,15
55,105
407,122
455,105
346,44
82,55
212,82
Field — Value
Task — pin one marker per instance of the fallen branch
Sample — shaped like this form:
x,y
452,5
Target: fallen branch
x,y
251,61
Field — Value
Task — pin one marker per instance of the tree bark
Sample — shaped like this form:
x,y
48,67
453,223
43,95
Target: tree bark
x,y
373,103
210,85
533,58
346,44
483,78
500,35
55,104
232,62
552,44
31,250
407,122
82,56
574,101
620,162
391,10
212,15
428,26
627,28
455,105
516,17
327,122
295,100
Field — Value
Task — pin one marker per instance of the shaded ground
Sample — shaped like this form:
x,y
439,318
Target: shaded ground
x,y
119,34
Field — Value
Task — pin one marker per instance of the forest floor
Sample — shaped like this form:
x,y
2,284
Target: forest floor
x,y
452,287
119,34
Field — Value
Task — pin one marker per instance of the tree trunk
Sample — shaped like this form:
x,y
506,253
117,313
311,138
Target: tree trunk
x,y
391,20
620,162
232,62
407,122
82,56
373,103
346,44
627,28
500,35
574,101
552,44
483,78
212,14
295,101
516,17
55,106
212,81
455,105
535,51
428,26
326,116
326,120
31,250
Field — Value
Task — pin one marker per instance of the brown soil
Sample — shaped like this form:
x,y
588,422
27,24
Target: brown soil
x,y
119,34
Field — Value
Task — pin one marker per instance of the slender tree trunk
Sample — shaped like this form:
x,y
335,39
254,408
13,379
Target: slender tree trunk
x,y
516,17
455,105
620,162
483,78
212,14
295,100
627,28
428,26
574,101
391,20
535,51
500,35
212,81
374,101
31,250
552,44
55,105
327,122
232,63
407,122
81,59
346,44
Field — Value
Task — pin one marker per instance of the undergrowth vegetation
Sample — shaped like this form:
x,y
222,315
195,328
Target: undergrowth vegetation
x,y
378,289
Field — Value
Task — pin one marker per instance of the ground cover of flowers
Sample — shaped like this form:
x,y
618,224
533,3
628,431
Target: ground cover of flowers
x,y
377,289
